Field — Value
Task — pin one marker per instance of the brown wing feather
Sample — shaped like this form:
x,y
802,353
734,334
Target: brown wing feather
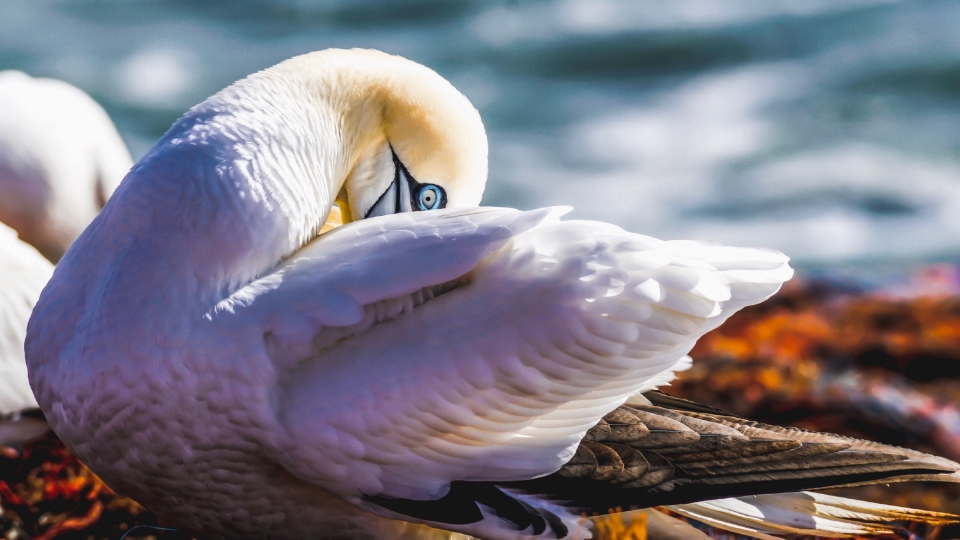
x,y
676,451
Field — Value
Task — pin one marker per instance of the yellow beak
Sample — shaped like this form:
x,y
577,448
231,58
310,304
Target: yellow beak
x,y
335,219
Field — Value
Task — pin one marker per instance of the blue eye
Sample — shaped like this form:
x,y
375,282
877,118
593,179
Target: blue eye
x,y
430,197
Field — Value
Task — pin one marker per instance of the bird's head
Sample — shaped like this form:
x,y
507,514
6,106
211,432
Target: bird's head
x,y
411,141
251,175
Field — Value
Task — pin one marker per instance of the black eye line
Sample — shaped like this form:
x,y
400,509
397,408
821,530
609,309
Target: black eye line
x,y
396,180
398,166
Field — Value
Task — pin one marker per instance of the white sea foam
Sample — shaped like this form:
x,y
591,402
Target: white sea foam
x,y
156,76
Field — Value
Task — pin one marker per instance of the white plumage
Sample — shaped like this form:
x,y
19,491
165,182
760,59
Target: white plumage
x,y
555,324
205,353
23,273
357,381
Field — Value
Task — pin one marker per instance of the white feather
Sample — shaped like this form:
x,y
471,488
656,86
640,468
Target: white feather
x,y
563,343
23,273
804,513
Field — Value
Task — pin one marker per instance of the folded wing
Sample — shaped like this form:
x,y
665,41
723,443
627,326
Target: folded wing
x,y
422,349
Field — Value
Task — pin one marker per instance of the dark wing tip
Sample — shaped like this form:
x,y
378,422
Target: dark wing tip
x,y
676,451
461,506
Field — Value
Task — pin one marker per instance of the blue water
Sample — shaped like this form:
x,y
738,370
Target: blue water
x,y
829,129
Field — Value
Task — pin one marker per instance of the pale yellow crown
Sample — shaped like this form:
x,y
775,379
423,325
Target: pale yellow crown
x,y
387,102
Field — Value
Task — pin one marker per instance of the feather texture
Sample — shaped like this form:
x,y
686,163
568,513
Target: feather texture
x,y
576,316
674,452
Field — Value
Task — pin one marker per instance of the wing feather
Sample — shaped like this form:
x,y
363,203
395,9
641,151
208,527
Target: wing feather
x,y
538,328
703,453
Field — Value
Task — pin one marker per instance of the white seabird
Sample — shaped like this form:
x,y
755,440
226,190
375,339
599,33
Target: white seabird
x,y
486,371
60,159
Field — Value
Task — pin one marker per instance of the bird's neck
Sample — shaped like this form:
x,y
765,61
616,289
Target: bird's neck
x,y
238,184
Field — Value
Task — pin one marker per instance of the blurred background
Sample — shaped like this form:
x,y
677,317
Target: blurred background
x,y
827,129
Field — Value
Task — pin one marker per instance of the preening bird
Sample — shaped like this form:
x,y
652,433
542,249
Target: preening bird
x,y
60,159
486,371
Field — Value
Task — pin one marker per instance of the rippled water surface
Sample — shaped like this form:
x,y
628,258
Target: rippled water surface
x,y
828,129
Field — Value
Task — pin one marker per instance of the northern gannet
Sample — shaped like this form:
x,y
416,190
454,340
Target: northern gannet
x,y
486,371
60,159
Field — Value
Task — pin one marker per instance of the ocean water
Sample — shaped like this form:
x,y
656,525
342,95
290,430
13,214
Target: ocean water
x,y
828,129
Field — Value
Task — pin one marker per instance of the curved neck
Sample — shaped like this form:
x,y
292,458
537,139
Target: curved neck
x,y
236,185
